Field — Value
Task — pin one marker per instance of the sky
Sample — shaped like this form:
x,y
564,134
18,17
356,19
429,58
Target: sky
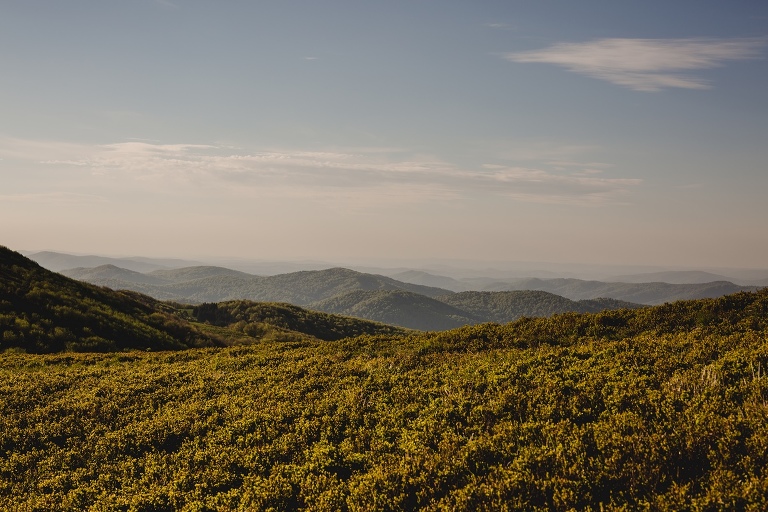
x,y
556,131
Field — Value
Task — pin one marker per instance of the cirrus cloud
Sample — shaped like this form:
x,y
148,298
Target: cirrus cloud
x,y
644,64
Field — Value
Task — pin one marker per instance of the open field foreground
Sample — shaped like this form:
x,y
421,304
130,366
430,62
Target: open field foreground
x,y
662,408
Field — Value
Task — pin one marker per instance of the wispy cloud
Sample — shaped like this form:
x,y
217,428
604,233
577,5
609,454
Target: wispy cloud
x,y
544,186
362,176
644,64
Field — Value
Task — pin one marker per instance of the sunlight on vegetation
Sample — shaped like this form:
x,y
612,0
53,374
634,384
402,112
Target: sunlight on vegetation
x,y
662,408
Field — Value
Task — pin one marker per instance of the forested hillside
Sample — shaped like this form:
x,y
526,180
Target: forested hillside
x,y
401,308
41,311
345,292
662,408
416,311
505,307
216,284
255,318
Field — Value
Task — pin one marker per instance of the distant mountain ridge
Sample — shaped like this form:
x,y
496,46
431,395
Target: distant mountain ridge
x,y
671,277
215,284
57,262
341,291
414,311
642,293
412,298
647,288
42,311
385,299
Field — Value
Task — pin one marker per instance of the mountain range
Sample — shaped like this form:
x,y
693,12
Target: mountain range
x,y
42,311
345,292
408,298
416,311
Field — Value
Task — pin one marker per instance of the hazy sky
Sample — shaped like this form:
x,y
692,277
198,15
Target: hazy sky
x,y
590,131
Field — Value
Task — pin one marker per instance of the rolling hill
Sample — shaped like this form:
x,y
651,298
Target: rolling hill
x,y
254,318
672,277
183,274
42,311
214,284
502,307
449,311
348,292
641,293
104,274
397,307
57,261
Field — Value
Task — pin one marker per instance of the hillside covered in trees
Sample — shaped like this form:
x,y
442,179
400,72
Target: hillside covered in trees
x,y
42,311
662,408
344,292
199,284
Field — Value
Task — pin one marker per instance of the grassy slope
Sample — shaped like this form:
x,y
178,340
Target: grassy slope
x,y
663,408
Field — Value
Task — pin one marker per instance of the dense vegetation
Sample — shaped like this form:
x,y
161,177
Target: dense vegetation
x,y
256,318
416,311
41,311
504,307
397,307
662,408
